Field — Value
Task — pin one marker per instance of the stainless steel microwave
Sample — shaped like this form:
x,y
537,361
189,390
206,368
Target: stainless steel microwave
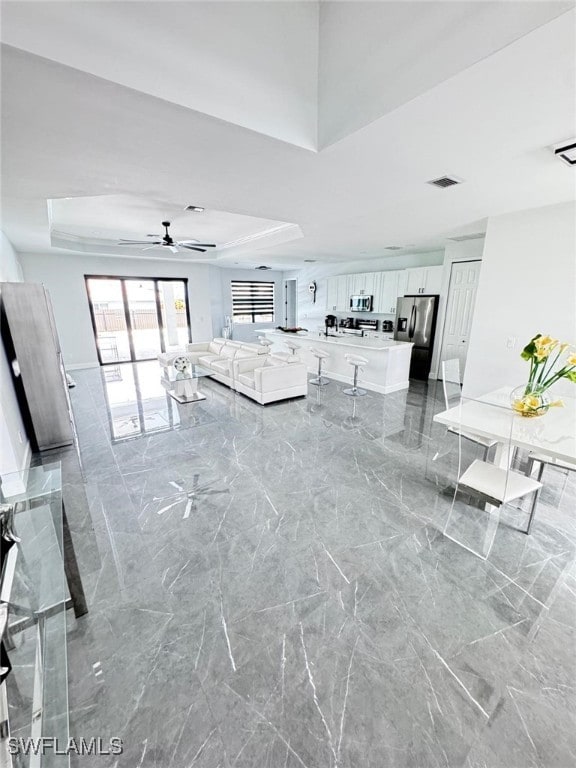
x,y
361,303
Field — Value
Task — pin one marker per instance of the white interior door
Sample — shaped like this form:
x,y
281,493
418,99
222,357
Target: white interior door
x,y
460,310
290,290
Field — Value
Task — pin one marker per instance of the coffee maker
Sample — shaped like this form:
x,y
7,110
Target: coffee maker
x,y
330,321
387,326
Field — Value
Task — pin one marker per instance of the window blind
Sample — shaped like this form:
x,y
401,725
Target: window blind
x,y
252,301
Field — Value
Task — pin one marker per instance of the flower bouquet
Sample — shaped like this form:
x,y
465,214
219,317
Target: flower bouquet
x,y
549,361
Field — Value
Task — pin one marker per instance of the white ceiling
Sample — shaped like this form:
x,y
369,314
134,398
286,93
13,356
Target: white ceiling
x,y
376,56
98,223
67,133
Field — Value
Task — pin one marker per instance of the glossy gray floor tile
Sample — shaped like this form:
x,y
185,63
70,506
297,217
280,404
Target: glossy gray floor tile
x,y
269,587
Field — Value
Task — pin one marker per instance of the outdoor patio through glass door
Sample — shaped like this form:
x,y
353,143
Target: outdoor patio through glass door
x,y
136,318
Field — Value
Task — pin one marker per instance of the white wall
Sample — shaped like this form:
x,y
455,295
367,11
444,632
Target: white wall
x,y
527,286
63,276
222,305
312,314
14,445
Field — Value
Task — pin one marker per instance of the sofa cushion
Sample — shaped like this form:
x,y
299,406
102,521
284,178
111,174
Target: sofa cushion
x,y
244,354
207,360
222,366
214,347
228,351
247,379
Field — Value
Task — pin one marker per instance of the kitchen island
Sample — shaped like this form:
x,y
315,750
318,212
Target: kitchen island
x,y
388,360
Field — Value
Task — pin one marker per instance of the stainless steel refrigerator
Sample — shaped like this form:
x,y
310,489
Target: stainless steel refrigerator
x,y
416,322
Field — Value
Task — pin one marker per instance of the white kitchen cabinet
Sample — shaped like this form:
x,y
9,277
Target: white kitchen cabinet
x,y
434,279
332,294
343,291
362,284
338,293
424,280
402,283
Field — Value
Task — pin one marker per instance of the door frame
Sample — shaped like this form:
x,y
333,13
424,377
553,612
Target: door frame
x,y
129,328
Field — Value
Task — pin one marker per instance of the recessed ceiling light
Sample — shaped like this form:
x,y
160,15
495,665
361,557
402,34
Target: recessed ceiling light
x,y
262,266
567,152
197,208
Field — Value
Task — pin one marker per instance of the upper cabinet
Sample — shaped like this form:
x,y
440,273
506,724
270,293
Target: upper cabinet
x,y
424,280
385,287
363,284
338,293
385,300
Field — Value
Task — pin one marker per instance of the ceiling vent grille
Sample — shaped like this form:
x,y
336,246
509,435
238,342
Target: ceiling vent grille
x,y
445,181
393,248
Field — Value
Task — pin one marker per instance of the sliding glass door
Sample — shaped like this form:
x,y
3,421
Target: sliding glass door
x,y
136,318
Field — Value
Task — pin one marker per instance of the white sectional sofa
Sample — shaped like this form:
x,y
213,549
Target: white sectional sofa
x,y
267,379
251,369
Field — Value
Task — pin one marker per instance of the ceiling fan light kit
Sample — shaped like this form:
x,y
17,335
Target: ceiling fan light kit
x,y
168,242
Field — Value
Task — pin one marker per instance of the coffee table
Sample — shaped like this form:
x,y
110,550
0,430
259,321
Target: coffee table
x,y
183,385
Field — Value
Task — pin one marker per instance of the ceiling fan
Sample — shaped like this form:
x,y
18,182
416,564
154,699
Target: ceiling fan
x,y
168,242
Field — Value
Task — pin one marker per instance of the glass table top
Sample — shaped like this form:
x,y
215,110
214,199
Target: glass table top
x,y
194,372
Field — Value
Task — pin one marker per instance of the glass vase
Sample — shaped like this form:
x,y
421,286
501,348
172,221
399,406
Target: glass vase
x,y
529,401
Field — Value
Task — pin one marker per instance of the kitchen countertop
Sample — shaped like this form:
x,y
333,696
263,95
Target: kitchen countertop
x,y
344,340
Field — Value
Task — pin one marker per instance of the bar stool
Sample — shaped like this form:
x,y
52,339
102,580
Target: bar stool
x,y
264,341
319,380
356,361
292,346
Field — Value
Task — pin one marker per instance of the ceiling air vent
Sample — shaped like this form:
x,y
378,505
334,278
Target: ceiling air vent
x,y
263,267
445,181
393,247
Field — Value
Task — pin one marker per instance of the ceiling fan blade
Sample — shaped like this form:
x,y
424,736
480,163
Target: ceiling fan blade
x,y
195,242
193,248
139,242
150,247
173,248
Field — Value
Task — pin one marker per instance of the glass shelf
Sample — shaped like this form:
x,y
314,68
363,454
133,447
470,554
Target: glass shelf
x,y
35,587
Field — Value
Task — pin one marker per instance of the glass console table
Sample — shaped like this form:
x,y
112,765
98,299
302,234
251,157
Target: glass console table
x,y
39,582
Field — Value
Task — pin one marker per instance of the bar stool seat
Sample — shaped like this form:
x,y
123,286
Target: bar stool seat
x,y
357,361
292,346
264,341
320,355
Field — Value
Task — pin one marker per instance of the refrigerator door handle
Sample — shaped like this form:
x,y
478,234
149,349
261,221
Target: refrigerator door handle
x,y
412,322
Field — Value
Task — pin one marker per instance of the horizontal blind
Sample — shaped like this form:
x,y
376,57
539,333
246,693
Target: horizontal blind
x,y
252,300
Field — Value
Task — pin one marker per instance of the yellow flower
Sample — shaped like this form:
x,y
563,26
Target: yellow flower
x,y
572,359
557,404
544,345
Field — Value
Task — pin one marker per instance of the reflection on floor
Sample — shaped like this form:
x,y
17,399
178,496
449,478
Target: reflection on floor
x,y
268,587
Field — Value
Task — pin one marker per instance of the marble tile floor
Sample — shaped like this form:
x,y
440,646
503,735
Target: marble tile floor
x,y
269,587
